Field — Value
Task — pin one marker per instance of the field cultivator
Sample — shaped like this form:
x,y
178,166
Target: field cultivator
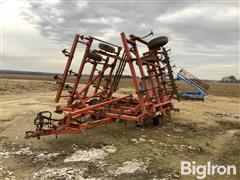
x,y
95,104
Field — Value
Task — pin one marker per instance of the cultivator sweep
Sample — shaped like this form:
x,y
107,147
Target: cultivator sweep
x,y
94,103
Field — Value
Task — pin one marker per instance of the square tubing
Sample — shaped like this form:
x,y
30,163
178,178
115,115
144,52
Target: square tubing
x,y
119,72
100,78
69,61
159,86
89,83
140,67
79,74
134,76
89,79
162,87
112,83
107,102
152,83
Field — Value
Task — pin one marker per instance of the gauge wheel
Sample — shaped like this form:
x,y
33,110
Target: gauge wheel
x,y
157,42
156,120
106,47
96,57
93,116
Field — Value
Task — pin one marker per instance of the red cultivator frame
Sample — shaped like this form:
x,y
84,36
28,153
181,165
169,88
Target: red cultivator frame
x,y
94,104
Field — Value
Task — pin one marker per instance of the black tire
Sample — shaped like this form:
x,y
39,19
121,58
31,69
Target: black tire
x,y
106,47
156,120
93,102
143,123
96,57
149,58
157,42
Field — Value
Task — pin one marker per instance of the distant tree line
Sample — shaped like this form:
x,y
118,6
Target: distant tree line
x,y
231,79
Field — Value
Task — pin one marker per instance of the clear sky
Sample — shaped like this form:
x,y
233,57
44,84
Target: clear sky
x,y
203,35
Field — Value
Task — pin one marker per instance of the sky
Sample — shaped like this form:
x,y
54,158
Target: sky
x,y
203,35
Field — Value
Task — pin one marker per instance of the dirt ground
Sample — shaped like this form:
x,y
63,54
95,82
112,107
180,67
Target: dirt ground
x,y
201,132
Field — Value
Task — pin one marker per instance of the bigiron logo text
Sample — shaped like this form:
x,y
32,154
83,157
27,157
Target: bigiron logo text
x,y
202,171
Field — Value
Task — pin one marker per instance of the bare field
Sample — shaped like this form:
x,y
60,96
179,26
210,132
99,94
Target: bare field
x,y
216,88
201,132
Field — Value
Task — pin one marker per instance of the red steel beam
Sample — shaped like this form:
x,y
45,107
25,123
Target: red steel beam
x,y
134,76
69,61
79,74
76,113
89,79
68,130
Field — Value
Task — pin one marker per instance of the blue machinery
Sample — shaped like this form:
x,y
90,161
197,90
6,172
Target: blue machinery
x,y
192,81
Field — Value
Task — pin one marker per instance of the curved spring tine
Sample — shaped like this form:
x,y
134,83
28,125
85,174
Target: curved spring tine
x,y
29,134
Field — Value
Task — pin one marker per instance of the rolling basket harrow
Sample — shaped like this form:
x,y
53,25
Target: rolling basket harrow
x,y
95,104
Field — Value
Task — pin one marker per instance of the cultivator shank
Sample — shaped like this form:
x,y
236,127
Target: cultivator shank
x,y
94,104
